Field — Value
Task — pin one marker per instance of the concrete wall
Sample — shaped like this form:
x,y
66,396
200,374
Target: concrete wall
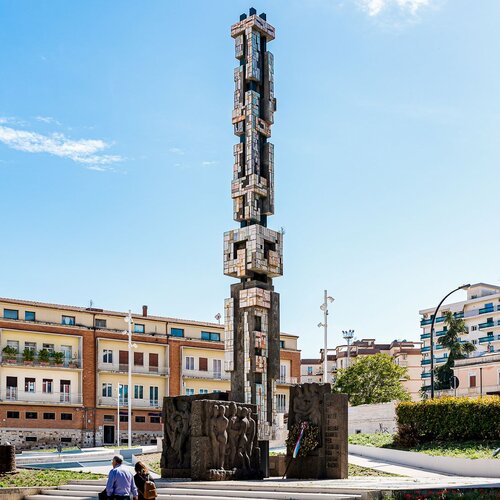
x,y
369,419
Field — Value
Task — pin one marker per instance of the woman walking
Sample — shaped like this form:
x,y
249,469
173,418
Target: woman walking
x,y
144,482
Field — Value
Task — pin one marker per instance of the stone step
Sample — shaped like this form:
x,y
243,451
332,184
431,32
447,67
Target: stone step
x,y
221,492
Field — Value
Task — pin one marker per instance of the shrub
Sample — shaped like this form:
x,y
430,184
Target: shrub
x,y
448,419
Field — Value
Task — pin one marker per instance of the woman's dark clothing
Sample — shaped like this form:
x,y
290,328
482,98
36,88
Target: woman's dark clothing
x,y
139,480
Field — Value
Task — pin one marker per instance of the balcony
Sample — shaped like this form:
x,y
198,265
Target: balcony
x,y
440,333
425,349
287,381
205,374
441,360
425,336
13,394
136,403
489,338
426,375
485,310
18,360
140,370
425,362
425,322
488,324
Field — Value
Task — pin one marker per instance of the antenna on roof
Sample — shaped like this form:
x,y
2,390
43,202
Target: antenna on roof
x,y
91,303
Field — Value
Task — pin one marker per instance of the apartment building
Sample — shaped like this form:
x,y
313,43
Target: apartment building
x,y
64,372
404,353
481,314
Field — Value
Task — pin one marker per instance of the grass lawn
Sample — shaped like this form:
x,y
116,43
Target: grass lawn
x,y
152,460
27,478
466,449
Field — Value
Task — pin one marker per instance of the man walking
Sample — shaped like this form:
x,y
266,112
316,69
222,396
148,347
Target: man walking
x,y
120,483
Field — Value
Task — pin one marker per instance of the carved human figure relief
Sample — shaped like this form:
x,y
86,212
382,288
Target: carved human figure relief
x,y
252,429
242,439
233,434
221,424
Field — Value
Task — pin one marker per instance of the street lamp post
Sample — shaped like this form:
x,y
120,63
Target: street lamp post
x,y
463,287
118,417
128,319
348,335
324,308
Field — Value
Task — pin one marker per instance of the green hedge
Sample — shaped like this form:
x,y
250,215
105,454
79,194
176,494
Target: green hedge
x,y
448,419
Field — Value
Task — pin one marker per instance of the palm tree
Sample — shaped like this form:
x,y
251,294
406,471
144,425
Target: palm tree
x,y
458,349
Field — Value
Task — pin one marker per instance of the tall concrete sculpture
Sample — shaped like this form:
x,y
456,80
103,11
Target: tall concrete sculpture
x,y
253,253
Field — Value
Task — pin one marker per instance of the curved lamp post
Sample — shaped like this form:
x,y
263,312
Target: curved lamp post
x,y
324,308
463,287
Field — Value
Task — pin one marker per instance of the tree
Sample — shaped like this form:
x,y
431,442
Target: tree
x,y
457,349
373,379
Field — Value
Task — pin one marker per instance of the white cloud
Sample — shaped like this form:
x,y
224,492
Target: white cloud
x,y
176,151
47,119
376,7
207,163
86,151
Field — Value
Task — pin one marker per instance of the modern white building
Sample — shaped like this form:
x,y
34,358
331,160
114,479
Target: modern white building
x,y
481,313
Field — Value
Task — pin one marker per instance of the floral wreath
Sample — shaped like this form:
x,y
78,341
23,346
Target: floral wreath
x,y
309,441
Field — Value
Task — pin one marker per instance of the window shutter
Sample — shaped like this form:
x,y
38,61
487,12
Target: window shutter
x,y
203,364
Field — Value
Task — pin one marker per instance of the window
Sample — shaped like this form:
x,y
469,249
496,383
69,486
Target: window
x,y
66,416
140,419
217,367
123,358
210,336
31,346
14,344
138,358
29,316
138,328
66,440
107,390
189,392
49,416
283,373
123,392
30,438
12,414
67,350
123,418
11,393
65,390
203,391
177,332
107,356
100,323
474,342
109,418
138,391
155,419
153,362
189,363
281,403
309,370
472,380
31,415
153,395
47,384
48,347
473,328
11,314
203,364
68,320
29,385
258,323
282,344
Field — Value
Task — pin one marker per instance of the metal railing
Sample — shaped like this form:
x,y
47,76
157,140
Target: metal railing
x,y
18,360
287,380
222,375
39,397
136,403
122,368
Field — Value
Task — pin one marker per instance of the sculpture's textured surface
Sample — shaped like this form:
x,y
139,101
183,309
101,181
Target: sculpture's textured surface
x,y
253,253
224,441
326,412
176,454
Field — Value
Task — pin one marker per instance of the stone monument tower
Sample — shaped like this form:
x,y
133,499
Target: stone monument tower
x,y
253,253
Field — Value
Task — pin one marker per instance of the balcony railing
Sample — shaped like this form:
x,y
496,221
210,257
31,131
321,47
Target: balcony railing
x,y
425,336
120,368
222,375
440,333
425,349
489,338
38,397
443,359
425,362
287,380
136,403
488,324
485,310
18,360
426,375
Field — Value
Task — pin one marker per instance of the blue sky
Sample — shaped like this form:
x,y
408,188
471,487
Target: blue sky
x,y
116,155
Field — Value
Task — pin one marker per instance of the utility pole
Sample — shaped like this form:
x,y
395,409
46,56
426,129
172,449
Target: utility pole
x,y
324,308
128,319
